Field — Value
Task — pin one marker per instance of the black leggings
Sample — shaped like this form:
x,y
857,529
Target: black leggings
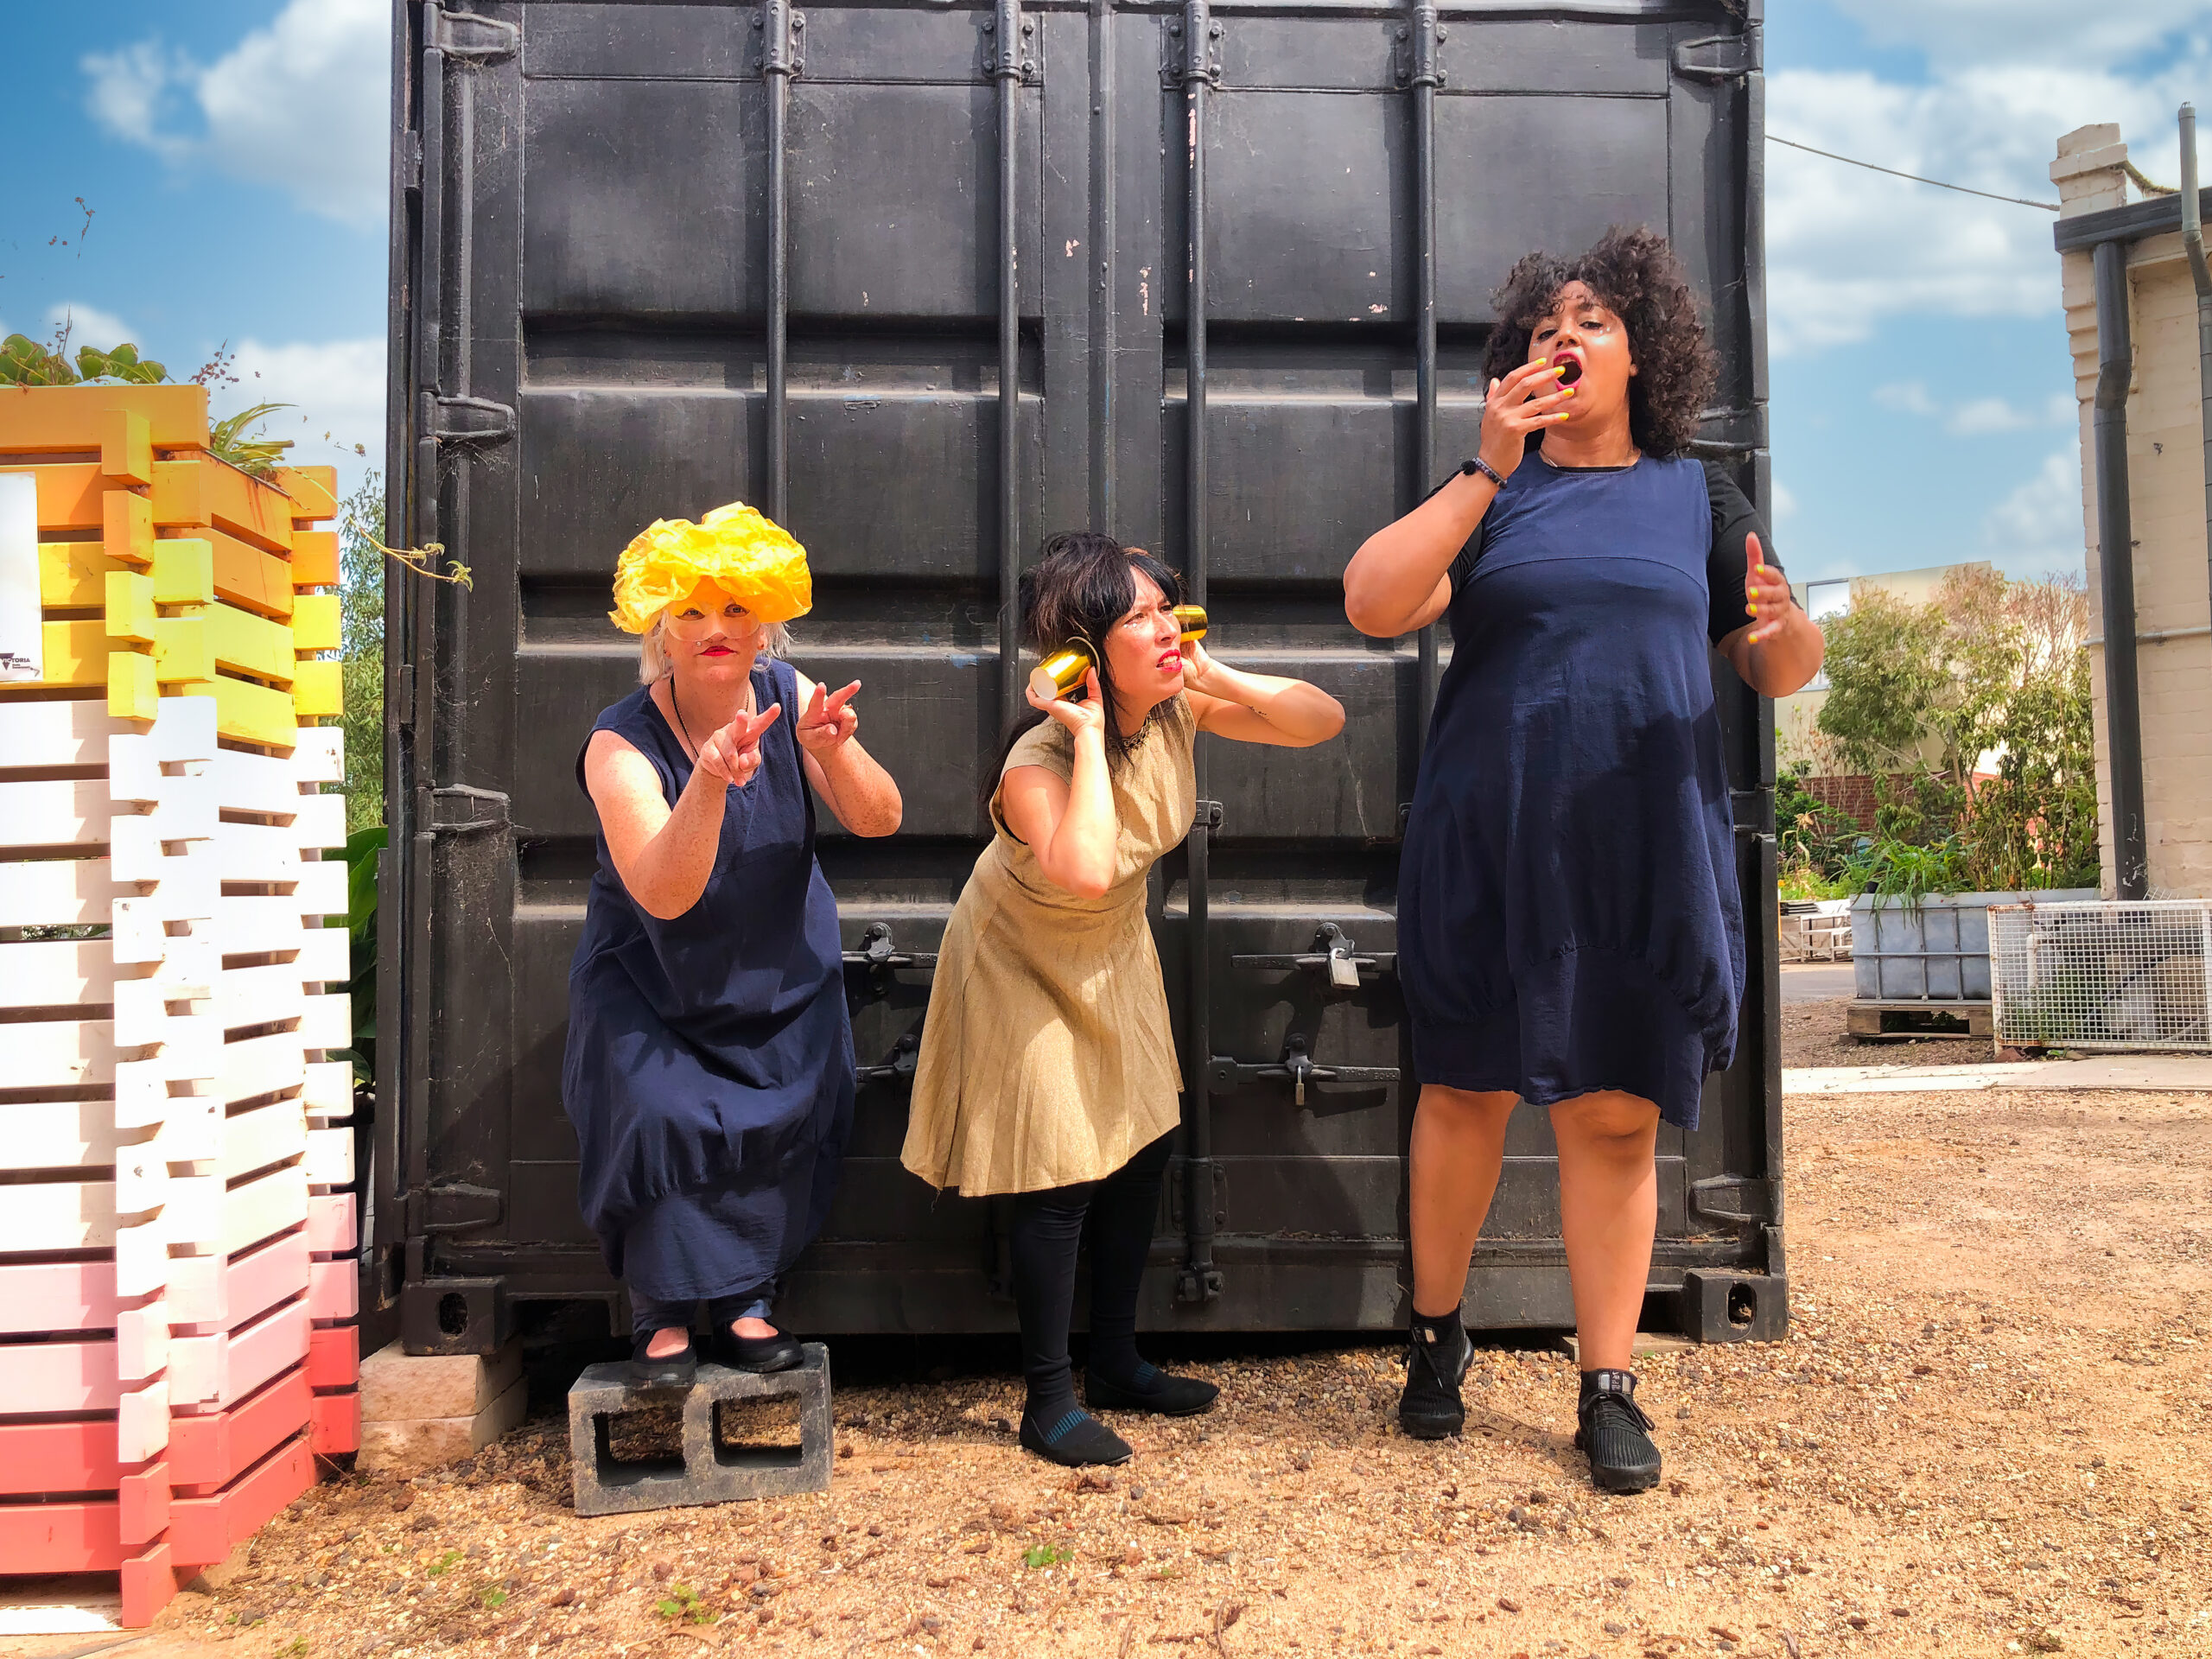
x,y
1048,1226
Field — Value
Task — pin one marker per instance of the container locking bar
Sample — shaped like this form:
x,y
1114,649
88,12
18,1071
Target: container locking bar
x,y
1297,1066
783,56
1333,954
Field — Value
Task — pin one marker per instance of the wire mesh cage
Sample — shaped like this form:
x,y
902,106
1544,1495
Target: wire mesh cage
x,y
2110,975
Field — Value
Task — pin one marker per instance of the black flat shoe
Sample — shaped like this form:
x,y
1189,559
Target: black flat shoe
x,y
1077,1438
1430,1408
1156,1392
778,1353
1616,1434
676,1370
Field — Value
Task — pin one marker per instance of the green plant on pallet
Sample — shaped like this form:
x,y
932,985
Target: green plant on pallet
x,y
1898,869
362,847
25,362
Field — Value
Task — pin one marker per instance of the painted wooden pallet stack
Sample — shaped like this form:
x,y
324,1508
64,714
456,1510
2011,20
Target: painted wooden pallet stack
x,y
177,1291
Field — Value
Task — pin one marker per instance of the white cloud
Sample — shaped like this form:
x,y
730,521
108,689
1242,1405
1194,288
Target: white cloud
x,y
301,105
2037,528
336,391
129,87
1978,418
1848,248
90,326
1785,503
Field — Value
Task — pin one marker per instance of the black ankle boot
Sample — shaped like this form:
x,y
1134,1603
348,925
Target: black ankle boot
x,y
1616,1434
1074,1439
1438,1354
1150,1388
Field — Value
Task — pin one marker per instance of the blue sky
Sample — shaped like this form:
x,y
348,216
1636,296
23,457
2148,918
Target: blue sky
x,y
232,153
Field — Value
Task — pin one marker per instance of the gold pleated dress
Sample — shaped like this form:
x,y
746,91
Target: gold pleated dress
x,y
1047,1057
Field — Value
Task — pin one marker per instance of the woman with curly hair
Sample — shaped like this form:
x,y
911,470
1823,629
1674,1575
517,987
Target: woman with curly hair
x,y
710,1063
1569,929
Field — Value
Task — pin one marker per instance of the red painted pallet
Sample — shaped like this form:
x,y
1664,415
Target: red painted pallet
x,y
207,1453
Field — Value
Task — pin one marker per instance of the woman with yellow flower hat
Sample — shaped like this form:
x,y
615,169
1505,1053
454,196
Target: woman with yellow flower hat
x,y
710,1063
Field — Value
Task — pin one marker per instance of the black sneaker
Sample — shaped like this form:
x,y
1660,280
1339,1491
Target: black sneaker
x,y
1076,1439
1616,1434
1436,1360
1151,1389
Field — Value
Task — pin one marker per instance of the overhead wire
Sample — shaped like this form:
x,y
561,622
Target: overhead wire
x,y
1963,189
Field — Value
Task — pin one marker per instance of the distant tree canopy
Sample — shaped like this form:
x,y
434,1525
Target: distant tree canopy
x,y
1989,666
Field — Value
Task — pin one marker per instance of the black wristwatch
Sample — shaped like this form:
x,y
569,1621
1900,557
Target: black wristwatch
x,y
1475,464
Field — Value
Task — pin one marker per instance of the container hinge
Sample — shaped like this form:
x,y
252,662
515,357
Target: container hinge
x,y
470,420
457,1208
1207,816
1297,1068
878,951
1753,811
1334,955
900,1069
471,39
458,809
1009,45
1193,47
782,39
1739,1200
1420,50
410,161
1727,57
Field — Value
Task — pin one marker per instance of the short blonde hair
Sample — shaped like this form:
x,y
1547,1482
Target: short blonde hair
x,y
652,657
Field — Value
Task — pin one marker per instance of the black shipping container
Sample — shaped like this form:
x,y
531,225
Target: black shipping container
x,y
926,281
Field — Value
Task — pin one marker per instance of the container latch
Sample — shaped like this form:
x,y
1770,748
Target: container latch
x,y
1333,954
1298,1068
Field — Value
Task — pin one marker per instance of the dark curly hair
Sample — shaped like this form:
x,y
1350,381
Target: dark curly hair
x,y
1635,274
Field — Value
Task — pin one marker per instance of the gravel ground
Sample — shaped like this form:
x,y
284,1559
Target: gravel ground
x,y
1984,1435
1813,1034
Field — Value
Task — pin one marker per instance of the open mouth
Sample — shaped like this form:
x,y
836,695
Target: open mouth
x,y
1171,662
1570,369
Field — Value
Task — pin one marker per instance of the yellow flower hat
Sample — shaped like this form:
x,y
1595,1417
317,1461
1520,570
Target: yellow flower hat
x,y
749,555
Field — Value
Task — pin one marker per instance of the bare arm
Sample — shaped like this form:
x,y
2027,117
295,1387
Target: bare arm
x,y
859,791
1069,824
1400,580
1780,651
1258,708
664,856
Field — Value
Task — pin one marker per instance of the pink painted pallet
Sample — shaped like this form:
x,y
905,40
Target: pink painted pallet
x,y
177,1256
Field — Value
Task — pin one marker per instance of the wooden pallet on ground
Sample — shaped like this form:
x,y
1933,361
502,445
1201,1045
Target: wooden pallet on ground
x,y
1908,1020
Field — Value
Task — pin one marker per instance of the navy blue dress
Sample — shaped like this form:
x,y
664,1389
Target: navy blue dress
x,y
1568,918
710,1065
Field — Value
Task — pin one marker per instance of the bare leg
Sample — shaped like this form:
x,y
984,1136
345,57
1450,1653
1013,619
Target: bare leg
x,y
1609,1211
1458,1148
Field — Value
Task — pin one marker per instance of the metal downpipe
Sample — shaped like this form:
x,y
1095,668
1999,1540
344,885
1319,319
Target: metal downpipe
x,y
2192,237
2116,573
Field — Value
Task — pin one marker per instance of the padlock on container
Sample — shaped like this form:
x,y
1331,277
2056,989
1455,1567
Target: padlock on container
x,y
1061,674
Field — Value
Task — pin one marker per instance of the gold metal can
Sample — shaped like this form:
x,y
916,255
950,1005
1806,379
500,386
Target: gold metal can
x,y
1062,673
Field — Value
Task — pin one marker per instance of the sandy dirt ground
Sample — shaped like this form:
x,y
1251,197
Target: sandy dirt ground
x,y
1985,1435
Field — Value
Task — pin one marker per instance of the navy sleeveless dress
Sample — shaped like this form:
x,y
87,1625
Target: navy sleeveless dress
x,y
1568,918
710,1065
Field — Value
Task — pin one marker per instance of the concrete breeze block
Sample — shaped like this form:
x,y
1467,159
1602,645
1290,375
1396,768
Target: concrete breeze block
x,y
708,1474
